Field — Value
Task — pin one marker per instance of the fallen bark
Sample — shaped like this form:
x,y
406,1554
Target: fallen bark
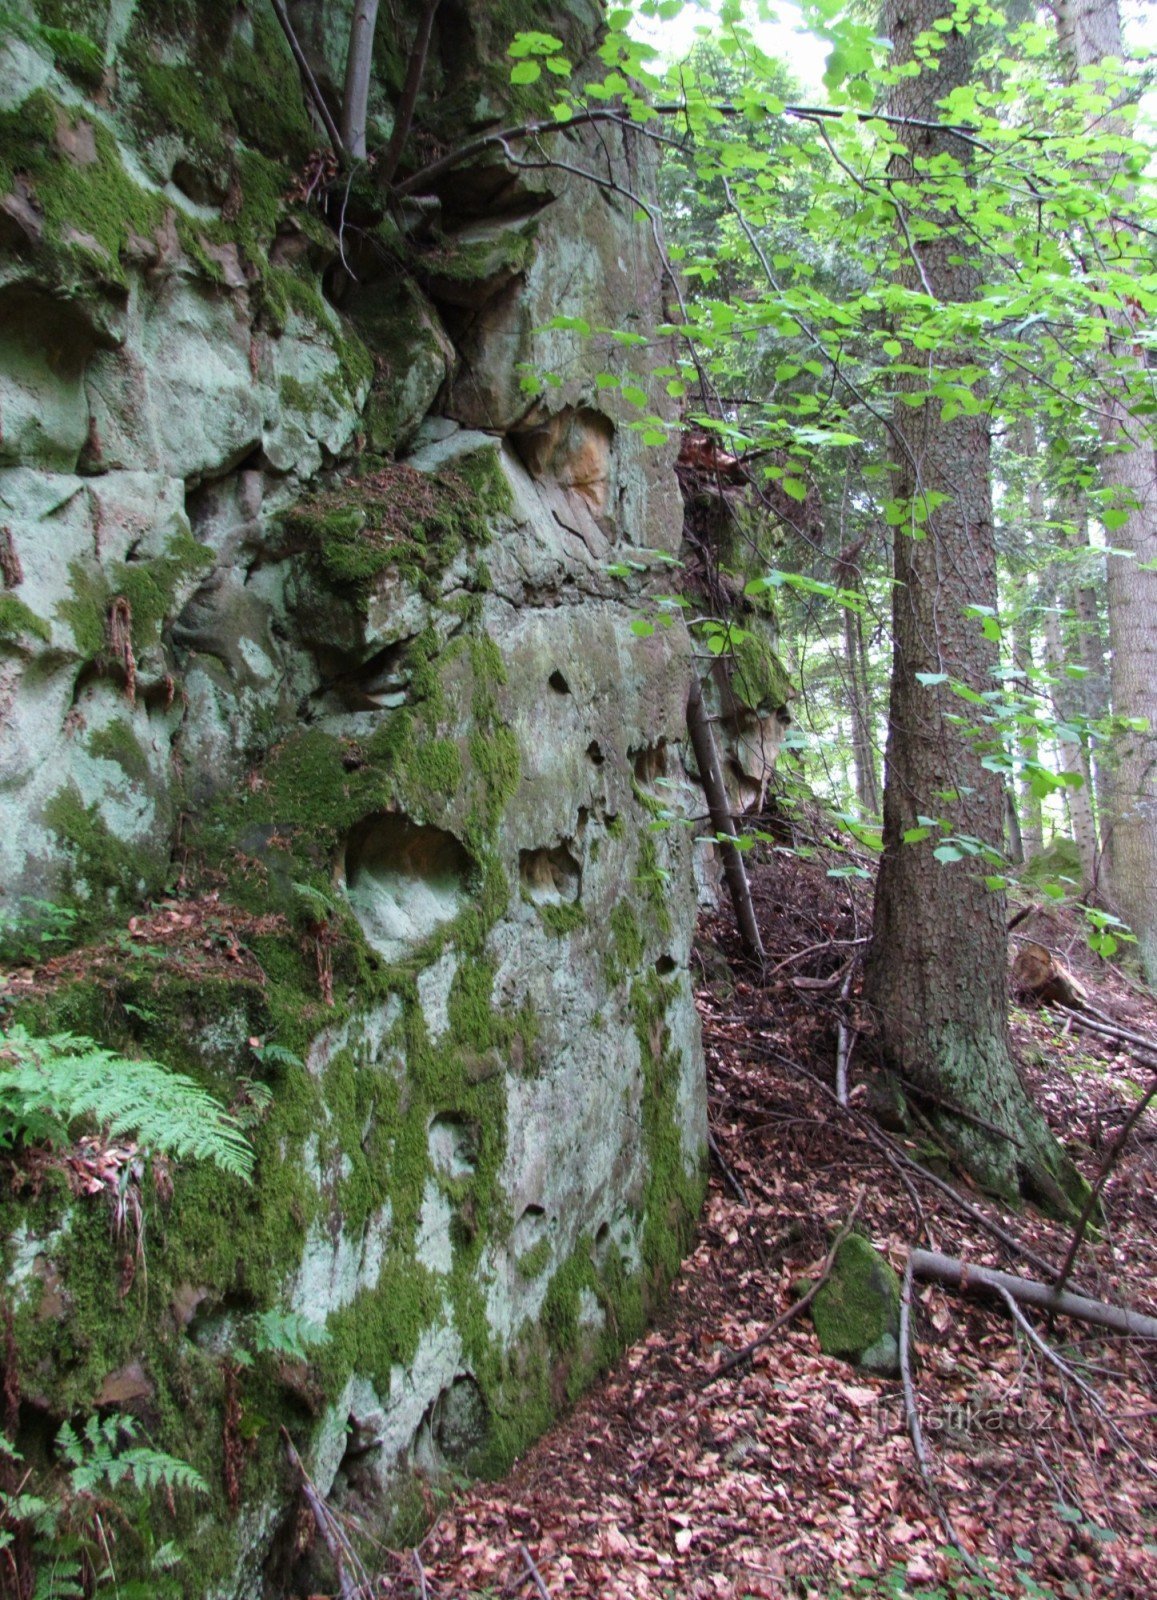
x,y
963,1275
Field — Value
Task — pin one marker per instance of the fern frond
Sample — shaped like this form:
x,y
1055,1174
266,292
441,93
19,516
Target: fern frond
x,y
287,1333
67,1077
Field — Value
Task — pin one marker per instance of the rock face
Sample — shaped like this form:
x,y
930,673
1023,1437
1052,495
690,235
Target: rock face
x,y
313,616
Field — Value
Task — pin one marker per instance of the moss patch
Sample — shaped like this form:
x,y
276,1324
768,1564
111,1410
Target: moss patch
x,y
398,518
18,621
856,1313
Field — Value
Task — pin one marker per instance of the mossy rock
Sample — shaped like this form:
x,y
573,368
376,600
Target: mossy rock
x,y
856,1314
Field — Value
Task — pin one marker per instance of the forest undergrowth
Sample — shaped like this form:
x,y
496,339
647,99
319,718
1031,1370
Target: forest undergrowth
x,y
793,1473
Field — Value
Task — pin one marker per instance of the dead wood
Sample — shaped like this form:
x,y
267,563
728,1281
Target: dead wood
x,y
893,1153
339,1547
1038,975
729,1177
313,90
793,1311
1107,1166
533,1572
1098,1023
969,1278
711,775
912,1417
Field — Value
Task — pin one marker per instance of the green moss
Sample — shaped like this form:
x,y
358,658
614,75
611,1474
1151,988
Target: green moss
x,y
18,621
627,946
562,919
858,1308
97,863
758,677
673,1194
149,586
76,55
398,518
533,1262
117,742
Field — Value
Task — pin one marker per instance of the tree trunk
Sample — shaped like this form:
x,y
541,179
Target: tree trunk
x,y
1090,32
859,696
936,976
1068,703
359,61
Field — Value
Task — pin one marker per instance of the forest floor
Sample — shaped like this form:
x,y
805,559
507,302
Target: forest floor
x,y
794,1474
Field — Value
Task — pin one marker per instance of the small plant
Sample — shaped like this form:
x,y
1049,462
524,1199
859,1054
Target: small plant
x,y
59,1544
31,929
280,1333
46,1084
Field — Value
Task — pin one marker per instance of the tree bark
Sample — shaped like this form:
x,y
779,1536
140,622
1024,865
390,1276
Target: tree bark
x,y
711,776
936,974
1089,32
859,697
359,61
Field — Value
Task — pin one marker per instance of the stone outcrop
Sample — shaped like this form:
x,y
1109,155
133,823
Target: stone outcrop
x,y
313,543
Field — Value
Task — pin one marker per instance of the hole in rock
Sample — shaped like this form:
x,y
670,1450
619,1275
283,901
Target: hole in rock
x,y
461,1421
665,966
529,1230
595,752
403,880
550,877
453,1145
651,763
558,682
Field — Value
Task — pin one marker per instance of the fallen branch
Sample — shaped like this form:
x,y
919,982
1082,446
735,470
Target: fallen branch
x,y
1109,1030
891,1151
307,77
1107,1166
845,1038
793,1311
729,1177
912,1417
711,776
421,1571
534,1573
331,1531
968,1278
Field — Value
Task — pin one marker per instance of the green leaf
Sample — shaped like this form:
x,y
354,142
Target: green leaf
x,y
525,72
947,852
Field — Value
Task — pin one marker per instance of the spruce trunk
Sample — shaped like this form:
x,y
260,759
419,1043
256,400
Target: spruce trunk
x,y
936,977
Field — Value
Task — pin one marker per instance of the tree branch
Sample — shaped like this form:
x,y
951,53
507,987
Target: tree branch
x,y
405,115
307,77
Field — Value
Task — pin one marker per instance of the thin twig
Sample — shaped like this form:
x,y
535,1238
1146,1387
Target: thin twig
x,y
308,79
1107,1166
534,1572
729,1177
912,1417
793,1311
421,1571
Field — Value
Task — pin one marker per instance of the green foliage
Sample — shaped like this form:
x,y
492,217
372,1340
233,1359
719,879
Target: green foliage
x,y
47,1084
55,1542
32,928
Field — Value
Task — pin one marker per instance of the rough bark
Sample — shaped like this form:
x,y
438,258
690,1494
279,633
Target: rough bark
x,y
936,979
1089,32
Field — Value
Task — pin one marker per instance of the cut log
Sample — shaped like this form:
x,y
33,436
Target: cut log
x,y
1038,975
962,1275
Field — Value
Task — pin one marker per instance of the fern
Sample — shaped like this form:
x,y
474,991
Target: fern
x,y
46,1084
286,1333
95,1457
